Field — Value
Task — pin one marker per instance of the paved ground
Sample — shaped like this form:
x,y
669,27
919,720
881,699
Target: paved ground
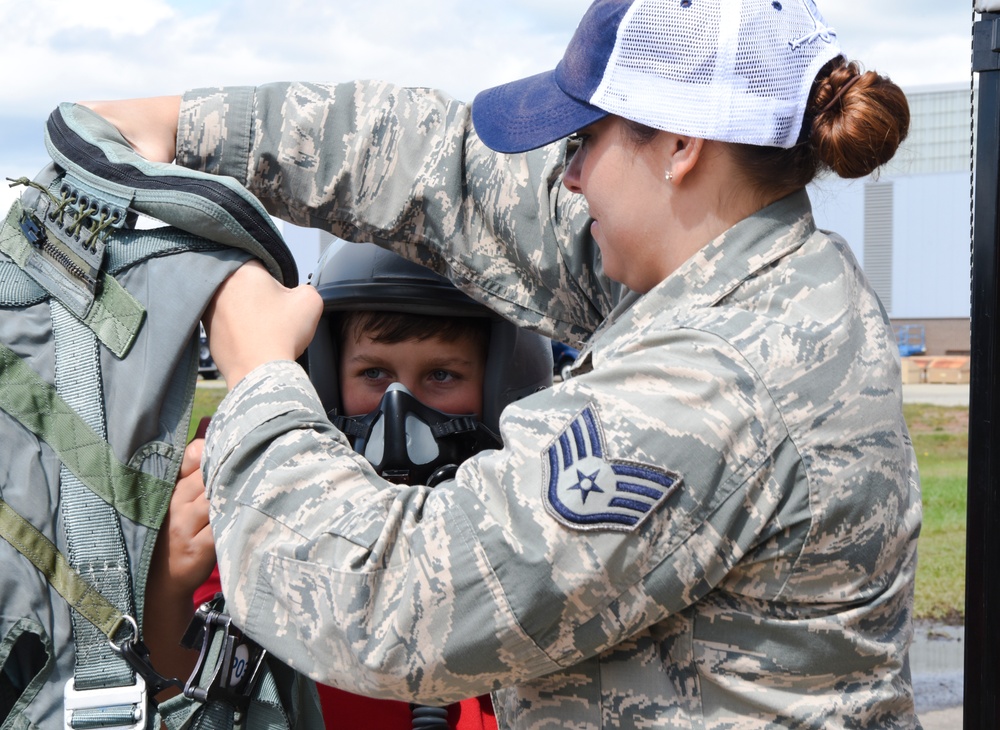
x,y
938,394
937,659
949,719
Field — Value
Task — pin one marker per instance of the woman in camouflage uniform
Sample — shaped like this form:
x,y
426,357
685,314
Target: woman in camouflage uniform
x,y
713,523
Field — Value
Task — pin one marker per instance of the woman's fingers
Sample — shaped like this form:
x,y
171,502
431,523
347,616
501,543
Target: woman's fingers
x,y
253,320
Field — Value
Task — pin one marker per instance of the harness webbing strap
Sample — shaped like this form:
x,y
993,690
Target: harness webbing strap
x,y
115,316
104,717
17,289
37,548
136,495
215,716
95,545
12,241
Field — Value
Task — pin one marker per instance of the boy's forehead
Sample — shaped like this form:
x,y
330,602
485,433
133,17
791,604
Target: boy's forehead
x,y
396,327
430,348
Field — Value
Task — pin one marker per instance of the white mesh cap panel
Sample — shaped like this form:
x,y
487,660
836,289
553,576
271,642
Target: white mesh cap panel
x,y
731,70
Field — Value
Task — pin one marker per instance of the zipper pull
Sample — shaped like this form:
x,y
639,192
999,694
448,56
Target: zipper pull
x,y
32,230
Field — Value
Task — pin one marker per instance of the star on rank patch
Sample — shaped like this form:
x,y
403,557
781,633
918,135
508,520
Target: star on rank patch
x,y
586,491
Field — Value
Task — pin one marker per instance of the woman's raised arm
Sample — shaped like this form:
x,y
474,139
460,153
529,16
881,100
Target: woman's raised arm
x,y
148,124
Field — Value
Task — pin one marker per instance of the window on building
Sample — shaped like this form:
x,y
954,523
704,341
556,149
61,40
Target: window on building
x,y
878,240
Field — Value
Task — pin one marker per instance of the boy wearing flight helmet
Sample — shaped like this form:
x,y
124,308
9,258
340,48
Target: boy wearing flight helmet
x,y
385,295
416,374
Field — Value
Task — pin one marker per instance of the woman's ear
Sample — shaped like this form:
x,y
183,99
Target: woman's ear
x,y
682,155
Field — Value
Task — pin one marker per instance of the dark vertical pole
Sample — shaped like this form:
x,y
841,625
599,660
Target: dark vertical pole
x,y
982,589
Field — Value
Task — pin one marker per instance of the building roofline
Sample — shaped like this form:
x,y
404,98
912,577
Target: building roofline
x,y
936,88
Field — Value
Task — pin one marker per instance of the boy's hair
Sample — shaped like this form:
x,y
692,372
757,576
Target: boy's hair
x,y
393,327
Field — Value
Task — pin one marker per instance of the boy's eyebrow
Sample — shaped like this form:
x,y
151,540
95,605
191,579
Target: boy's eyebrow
x,y
453,361
376,359
364,359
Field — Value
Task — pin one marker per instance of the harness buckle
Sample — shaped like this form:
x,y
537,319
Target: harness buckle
x,y
108,708
136,654
237,665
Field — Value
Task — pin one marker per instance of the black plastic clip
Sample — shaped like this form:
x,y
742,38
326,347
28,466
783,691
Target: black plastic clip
x,y
136,654
32,230
237,666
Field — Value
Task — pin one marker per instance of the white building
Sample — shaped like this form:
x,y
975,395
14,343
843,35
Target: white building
x,y
911,226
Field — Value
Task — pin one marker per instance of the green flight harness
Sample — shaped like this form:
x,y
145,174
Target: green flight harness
x,y
98,364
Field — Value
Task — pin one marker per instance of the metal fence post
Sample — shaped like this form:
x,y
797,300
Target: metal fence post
x,y
982,590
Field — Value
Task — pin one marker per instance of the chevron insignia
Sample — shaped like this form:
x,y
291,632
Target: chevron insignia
x,y
586,491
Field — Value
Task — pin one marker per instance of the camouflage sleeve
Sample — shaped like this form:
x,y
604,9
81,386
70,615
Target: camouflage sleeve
x,y
403,168
349,579
529,562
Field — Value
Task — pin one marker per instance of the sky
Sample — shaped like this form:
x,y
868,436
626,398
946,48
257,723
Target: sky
x,y
58,51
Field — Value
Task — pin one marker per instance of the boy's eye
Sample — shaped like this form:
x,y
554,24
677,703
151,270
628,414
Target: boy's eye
x,y
373,373
442,376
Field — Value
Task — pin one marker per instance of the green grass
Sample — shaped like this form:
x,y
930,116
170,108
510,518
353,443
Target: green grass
x,y
941,439
206,400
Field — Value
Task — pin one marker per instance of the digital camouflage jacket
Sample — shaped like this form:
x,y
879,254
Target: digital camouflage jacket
x,y
712,524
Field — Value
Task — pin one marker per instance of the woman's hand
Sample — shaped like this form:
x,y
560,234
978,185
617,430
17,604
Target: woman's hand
x,y
253,320
149,125
185,550
183,559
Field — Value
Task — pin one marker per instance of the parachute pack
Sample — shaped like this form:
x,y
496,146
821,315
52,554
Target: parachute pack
x,y
98,365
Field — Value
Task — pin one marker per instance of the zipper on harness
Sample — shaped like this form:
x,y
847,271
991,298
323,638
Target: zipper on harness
x,y
59,253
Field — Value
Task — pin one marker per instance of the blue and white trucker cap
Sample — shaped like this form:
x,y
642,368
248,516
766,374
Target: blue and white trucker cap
x,y
728,70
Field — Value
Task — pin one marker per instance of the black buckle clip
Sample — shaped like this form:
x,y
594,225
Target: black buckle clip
x,y
32,229
237,666
136,654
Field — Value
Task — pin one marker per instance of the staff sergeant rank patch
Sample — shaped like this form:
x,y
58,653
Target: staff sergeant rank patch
x,y
586,491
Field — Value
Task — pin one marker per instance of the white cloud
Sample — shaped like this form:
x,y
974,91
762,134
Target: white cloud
x,y
126,48
915,43
42,20
55,51
114,48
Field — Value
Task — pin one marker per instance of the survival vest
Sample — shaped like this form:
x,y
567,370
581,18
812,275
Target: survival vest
x,y
98,363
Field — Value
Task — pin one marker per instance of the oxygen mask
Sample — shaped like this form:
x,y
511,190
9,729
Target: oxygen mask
x,y
410,443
